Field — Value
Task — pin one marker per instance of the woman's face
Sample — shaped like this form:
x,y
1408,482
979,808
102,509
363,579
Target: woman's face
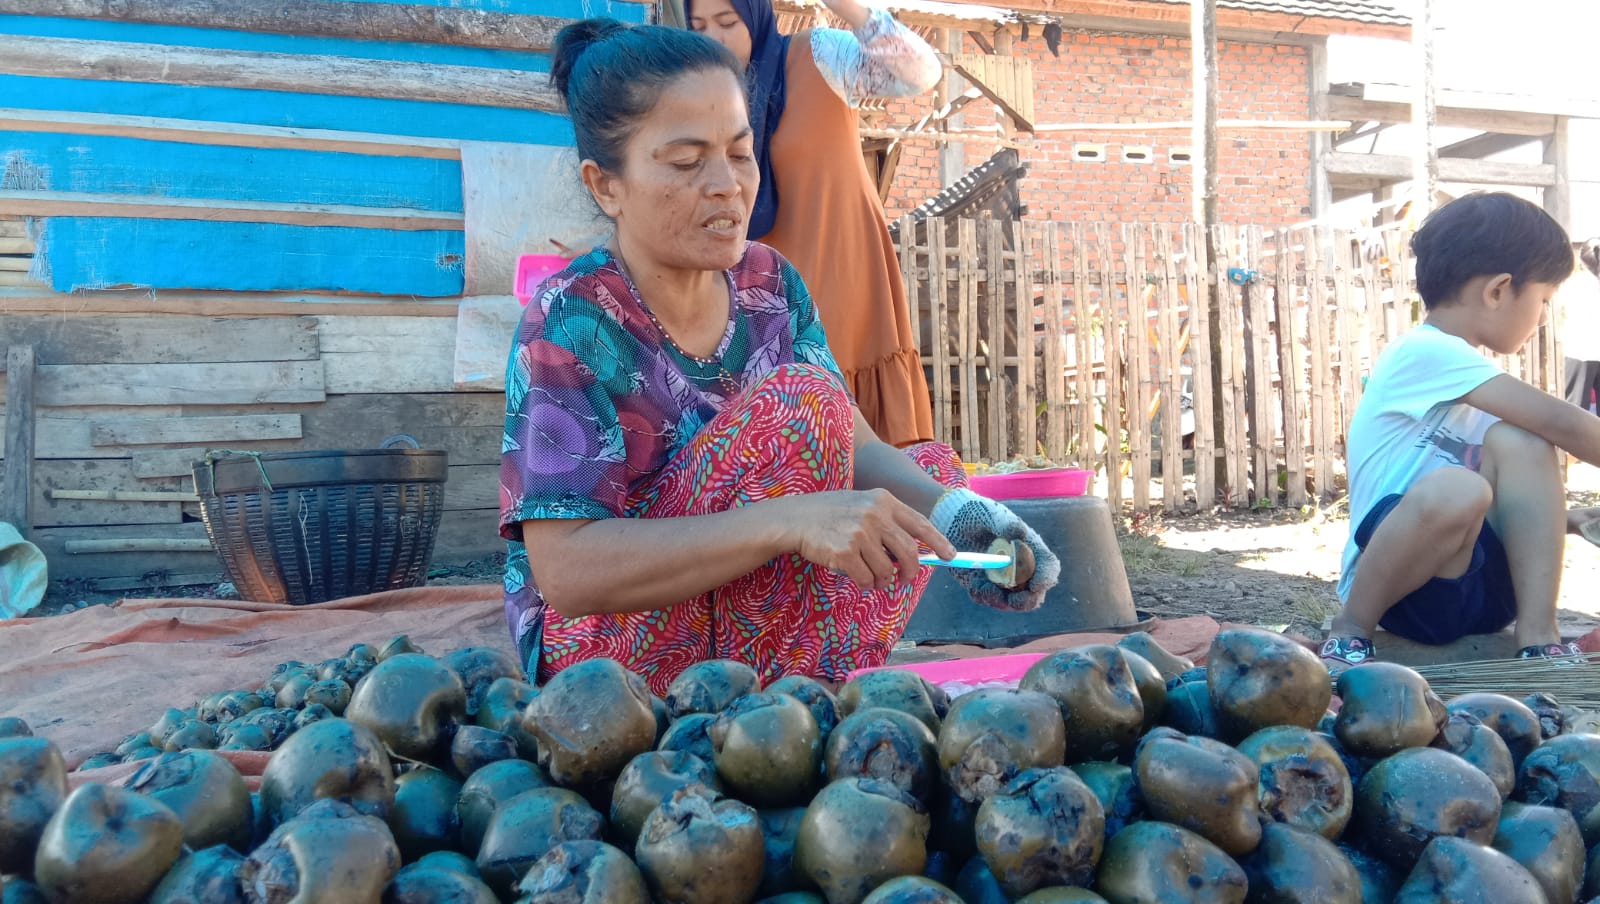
x,y
689,177
719,21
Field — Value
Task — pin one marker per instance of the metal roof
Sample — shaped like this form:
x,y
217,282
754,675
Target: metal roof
x,y
1375,12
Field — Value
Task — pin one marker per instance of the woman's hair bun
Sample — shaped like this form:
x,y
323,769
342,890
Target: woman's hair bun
x,y
572,41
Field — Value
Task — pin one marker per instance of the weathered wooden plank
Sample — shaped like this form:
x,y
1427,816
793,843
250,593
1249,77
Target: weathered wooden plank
x,y
1230,310
65,432
1263,424
518,198
91,339
310,74
1115,342
109,474
473,487
1027,394
150,207
189,303
223,134
467,425
996,286
235,428
1083,354
16,506
388,354
1170,356
1055,343
909,250
13,227
1291,375
1139,379
10,279
17,245
1323,380
15,263
938,282
236,383
1197,284
967,335
468,535
52,541
399,22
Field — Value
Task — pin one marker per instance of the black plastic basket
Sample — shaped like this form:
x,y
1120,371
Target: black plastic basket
x,y
305,527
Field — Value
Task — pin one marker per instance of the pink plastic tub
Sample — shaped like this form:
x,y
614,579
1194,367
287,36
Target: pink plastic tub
x,y
533,269
958,675
1033,484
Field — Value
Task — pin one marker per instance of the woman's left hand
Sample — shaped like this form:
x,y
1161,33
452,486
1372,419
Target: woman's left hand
x,y
971,523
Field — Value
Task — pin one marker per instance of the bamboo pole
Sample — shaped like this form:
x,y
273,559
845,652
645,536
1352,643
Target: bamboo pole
x,y
995,284
1205,392
1139,382
1027,393
1114,370
1083,355
967,334
937,284
124,495
84,547
1054,349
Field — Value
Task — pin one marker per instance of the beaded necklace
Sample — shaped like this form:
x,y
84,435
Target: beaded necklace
x,y
729,384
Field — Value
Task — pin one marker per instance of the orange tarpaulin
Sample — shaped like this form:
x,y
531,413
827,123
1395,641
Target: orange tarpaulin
x,y
89,678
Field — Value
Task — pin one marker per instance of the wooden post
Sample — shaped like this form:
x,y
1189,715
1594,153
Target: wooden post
x,y
1113,354
1321,143
1424,114
1558,197
16,503
952,154
1207,95
996,285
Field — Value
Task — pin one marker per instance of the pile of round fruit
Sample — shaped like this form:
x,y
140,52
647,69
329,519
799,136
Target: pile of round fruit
x,y
1105,776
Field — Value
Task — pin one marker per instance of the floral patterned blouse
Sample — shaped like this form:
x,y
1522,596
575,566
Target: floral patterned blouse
x,y
597,398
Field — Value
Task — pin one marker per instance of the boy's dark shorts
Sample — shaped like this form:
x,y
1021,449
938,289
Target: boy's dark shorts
x,y
1481,601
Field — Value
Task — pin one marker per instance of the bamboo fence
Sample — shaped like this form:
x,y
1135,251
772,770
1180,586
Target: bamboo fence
x,y
1106,312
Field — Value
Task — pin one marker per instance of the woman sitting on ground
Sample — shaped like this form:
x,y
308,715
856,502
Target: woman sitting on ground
x,y
684,475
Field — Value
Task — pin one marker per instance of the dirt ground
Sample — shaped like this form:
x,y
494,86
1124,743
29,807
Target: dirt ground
x,y
1274,568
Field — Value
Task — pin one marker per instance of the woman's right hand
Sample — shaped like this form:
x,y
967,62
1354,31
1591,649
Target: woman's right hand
x,y
869,536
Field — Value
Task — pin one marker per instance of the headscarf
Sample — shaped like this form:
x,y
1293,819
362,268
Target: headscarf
x,y
769,51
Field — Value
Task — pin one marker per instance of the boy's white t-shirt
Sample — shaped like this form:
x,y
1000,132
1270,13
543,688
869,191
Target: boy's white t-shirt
x,y
1411,421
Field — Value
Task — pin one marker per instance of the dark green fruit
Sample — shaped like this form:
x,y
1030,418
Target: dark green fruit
x,y
396,646
1380,882
411,702
1302,781
475,747
767,749
1101,708
1387,708
207,793
1114,786
779,829
281,673
328,854
106,845
17,890
893,689
133,742
13,727
480,667
1202,785
976,885
1259,679
237,705
333,693
1062,895
501,710
335,759
1548,710
1152,687
419,884
33,783
688,734
954,829
1457,871
98,761
858,834
526,827
1480,745
454,861
209,876
794,897
483,792
1160,863
423,818
584,872
710,685
244,737
1591,875
167,724
885,744
1419,793
1189,710
292,692
1045,828
1510,718
647,780
1565,772
1546,841
1298,867
823,704
191,734
1144,645
697,848
912,890
663,716
990,735
589,721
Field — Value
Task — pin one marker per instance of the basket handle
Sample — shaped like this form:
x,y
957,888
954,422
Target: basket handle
x,y
400,439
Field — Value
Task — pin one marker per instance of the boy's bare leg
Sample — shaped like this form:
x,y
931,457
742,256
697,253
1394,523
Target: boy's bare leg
x,y
1430,533
1530,515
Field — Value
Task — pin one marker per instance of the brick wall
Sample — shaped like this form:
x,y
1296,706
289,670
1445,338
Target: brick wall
x,y
1264,176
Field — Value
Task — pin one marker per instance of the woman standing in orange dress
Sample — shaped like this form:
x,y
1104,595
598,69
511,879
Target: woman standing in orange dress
x,y
817,203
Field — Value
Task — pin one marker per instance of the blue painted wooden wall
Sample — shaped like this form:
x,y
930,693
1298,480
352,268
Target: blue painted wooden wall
x,y
99,252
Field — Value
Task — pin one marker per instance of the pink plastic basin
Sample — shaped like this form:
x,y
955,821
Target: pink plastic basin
x,y
1009,667
1033,484
533,269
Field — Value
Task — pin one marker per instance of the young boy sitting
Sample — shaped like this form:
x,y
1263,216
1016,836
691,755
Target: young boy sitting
x,y
1457,507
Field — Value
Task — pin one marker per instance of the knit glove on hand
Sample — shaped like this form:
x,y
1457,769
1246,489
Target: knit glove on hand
x,y
972,522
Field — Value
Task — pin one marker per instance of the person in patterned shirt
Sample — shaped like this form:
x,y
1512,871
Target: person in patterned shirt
x,y
684,475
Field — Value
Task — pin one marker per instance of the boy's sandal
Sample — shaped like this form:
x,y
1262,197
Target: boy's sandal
x,y
1347,652
1566,653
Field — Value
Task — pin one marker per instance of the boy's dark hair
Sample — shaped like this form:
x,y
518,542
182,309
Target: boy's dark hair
x,y
611,76
1483,234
